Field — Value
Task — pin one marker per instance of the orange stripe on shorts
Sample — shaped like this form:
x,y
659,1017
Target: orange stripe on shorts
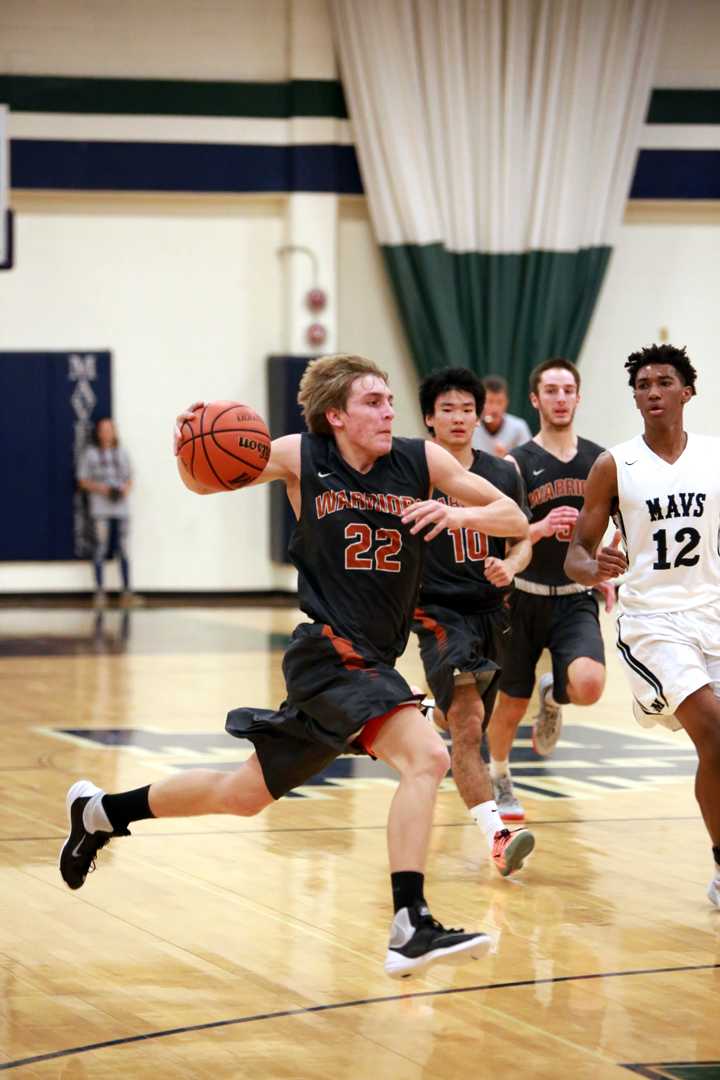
x,y
352,660
433,626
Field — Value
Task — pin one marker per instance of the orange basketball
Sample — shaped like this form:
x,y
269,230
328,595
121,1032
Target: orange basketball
x,y
225,446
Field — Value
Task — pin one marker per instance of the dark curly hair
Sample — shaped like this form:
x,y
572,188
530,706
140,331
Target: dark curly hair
x,y
662,354
450,378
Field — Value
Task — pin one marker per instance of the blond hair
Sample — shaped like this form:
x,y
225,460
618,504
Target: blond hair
x,y
326,385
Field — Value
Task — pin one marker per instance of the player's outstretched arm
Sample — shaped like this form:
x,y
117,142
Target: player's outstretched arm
x,y
283,464
484,507
584,562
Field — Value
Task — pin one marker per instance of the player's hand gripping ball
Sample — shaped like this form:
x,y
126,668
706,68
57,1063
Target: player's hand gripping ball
x,y
225,446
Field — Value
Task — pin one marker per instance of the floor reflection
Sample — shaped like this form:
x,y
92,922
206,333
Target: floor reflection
x,y
76,632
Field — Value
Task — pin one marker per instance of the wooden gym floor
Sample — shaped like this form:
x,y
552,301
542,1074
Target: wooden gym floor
x,y
253,948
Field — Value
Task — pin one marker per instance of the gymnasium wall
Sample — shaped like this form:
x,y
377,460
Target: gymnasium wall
x,y
664,270
187,291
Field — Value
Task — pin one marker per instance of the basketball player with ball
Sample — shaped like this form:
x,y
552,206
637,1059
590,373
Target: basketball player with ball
x,y
663,489
361,499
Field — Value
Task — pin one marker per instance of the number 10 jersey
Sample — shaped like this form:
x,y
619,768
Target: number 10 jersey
x,y
669,515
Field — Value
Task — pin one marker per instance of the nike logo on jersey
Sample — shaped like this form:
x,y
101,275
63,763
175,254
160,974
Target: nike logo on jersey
x,y
536,472
631,462
322,475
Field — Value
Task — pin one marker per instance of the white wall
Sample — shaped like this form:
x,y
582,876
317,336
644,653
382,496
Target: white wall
x,y
160,39
187,296
369,323
690,53
663,278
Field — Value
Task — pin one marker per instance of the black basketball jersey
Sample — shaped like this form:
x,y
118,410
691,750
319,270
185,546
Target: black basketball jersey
x,y
454,573
550,483
359,566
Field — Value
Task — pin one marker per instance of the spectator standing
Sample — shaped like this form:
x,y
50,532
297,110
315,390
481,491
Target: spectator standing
x,y
499,431
104,473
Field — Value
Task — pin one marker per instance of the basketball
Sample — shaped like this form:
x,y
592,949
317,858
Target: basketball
x,y
225,446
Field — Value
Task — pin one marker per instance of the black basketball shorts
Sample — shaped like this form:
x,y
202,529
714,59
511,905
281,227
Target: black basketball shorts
x,y
332,692
452,643
566,625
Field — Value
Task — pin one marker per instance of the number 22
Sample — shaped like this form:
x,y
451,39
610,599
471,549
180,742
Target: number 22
x,y
383,558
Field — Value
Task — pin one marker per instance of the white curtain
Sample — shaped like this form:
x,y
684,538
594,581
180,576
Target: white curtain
x,y
497,126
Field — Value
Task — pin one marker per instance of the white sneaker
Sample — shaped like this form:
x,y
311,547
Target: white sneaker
x,y
714,892
417,940
77,855
507,803
547,725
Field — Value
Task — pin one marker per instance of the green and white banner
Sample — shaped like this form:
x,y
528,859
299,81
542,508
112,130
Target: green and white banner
x,y
496,141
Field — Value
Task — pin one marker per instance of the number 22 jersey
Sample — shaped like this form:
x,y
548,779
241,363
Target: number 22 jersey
x,y
669,515
359,566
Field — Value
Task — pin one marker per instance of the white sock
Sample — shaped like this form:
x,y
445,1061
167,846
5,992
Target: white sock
x,y
499,769
486,815
549,696
94,817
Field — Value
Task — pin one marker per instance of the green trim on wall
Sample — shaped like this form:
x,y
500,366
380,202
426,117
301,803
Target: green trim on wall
x,y
171,97
684,107
499,314
269,100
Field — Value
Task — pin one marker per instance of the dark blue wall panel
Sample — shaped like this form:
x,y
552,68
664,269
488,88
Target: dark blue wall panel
x,y
48,402
284,418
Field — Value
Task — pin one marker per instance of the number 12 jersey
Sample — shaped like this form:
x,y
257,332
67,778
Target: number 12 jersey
x,y
669,515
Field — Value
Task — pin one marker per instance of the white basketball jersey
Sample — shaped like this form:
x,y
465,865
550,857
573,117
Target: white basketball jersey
x,y
669,516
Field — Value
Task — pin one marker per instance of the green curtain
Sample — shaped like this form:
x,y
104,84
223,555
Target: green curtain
x,y
499,314
497,141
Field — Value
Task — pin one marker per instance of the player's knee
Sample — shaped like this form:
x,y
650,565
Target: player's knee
x,y
435,761
586,687
707,741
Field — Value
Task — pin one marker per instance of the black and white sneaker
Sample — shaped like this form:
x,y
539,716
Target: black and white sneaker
x,y
77,855
416,940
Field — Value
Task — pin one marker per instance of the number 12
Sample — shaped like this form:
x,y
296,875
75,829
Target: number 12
x,y
683,557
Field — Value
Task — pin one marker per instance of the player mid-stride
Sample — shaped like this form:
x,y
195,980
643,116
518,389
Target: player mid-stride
x,y
663,488
461,618
363,515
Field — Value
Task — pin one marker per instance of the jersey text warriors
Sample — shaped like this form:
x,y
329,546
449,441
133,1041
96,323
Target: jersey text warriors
x,y
551,482
359,566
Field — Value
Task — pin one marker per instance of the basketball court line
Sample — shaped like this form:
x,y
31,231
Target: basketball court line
x,y
362,828
310,1009
703,1070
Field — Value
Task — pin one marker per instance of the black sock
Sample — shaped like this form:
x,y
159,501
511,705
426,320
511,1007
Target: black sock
x,y
716,855
407,888
126,807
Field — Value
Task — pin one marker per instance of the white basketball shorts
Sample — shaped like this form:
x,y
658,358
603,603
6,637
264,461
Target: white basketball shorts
x,y
667,656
